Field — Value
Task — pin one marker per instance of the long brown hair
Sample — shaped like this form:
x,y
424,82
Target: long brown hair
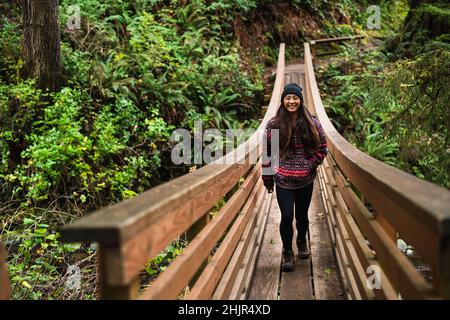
x,y
308,132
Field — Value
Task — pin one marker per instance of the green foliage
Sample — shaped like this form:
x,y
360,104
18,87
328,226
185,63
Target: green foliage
x,y
77,65
421,87
192,116
38,264
10,46
439,12
393,14
378,145
57,148
163,259
20,105
424,22
396,112
131,75
22,100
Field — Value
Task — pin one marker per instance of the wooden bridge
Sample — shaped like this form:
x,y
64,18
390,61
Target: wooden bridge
x,y
359,207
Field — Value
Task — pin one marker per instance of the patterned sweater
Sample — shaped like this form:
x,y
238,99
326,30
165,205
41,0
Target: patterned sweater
x,y
297,171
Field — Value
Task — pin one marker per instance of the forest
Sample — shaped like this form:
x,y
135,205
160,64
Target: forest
x,y
88,105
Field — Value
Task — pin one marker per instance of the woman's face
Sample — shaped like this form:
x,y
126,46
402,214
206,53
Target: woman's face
x,y
291,102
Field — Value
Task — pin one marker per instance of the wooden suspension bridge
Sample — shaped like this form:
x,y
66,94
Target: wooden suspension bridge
x,y
359,207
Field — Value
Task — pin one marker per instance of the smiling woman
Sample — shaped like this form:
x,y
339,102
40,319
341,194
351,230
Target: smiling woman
x,y
303,147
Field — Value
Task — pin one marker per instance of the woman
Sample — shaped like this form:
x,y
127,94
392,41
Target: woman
x,y
302,147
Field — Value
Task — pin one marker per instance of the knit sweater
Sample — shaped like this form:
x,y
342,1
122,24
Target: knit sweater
x,y
297,171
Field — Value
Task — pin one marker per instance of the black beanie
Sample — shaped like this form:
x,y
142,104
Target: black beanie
x,y
292,88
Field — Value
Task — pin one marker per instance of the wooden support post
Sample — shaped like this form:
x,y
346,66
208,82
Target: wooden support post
x,y
197,226
313,51
190,234
387,227
4,278
442,283
106,291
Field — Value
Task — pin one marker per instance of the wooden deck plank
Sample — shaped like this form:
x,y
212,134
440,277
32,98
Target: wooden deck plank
x,y
295,68
267,272
327,283
296,285
291,68
287,78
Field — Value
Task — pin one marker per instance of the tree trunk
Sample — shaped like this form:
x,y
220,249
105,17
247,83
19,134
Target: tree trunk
x,y
422,24
41,43
414,4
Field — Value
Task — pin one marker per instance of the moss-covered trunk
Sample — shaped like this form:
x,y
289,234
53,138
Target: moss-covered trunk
x,y
41,43
427,19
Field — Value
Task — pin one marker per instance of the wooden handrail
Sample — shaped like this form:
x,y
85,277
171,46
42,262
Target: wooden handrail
x,y
417,209
313,43
327,40
135,230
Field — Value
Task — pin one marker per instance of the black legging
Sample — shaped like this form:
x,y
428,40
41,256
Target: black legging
x,y
286,199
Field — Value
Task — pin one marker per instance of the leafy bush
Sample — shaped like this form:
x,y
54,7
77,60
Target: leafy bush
x,y
10,46
38,267
57,150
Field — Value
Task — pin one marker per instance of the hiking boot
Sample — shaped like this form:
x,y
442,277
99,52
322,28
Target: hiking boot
x,y
303,251
288,261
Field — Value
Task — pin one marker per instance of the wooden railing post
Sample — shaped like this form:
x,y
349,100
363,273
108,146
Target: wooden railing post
x,y
313,51
4,278
197,226
443,279
387,227
107,260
